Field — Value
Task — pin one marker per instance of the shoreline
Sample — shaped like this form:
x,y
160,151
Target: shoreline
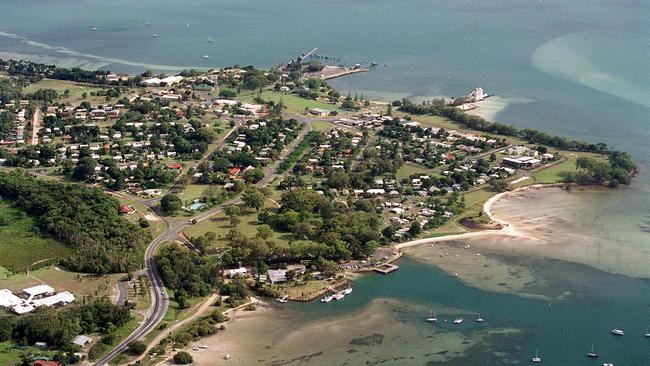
x,y
507,229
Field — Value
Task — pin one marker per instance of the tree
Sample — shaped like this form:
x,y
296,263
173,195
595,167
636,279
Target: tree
x,y
253,175
388,232
235,220
253,198
232,210
183,358
498,185
493,157
415,228
264,231
137,348
170,203
85,168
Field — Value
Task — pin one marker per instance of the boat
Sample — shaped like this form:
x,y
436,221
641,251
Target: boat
x,y
432,317
647,332
210,40
479,319
282,300
203,346
339,296
206,56
608,364
458,321
592,354
226,357
618,332
155,35
536,359
327,299
94,28
347,291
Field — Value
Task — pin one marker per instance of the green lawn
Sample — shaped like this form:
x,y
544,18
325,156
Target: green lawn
x,y
407,169
192,192
294,103
220,225
321,126
61,86
556,172
21,243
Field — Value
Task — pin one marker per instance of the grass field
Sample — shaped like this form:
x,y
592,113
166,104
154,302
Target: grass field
x,y
21,243
192,192
80,284
61,86
220,225
294,103
407,169
321,126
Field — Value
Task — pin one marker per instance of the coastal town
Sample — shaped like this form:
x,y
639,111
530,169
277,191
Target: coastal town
x,y
237,186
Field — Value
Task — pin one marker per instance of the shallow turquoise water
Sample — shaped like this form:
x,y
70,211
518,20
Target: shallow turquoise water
x,y
563,332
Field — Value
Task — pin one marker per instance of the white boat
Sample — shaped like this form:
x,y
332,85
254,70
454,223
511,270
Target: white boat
x,y
647,332
226,357
536,359
339,296
432,317
479,319
155,35
592,354
458,321
203,346
347,291
618,332
608,364
282,300
147,22
327,298
210,40
94,28
206,56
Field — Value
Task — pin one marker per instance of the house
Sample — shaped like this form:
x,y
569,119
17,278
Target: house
x,y
277,275
524,162
81,340
234,171
318,112
241,271
125,209
46,363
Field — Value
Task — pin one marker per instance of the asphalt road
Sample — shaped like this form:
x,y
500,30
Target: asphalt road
x,y
160,299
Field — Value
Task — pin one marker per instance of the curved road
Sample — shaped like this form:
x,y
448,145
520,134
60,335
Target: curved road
x,y
160,300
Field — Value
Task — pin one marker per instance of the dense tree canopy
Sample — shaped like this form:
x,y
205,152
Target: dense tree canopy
x,y
83,217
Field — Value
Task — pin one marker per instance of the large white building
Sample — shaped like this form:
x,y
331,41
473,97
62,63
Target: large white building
x,y
36,296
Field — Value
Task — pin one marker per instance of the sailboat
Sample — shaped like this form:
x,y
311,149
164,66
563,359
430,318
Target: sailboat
x,y
210,40
592,354
536,359
432,317
479,319
647,332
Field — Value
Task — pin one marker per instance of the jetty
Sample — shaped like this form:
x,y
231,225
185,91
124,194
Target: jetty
x,y
386,268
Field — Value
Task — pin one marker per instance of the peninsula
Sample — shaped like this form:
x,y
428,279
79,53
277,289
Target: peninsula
x,y
164,202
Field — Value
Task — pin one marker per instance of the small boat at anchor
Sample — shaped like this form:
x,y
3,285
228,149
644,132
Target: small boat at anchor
x,y
618,332
458,321
592,354
282,300
432,317
536,359
479,319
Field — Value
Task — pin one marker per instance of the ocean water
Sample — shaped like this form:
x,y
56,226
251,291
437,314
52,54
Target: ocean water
x,y
569,67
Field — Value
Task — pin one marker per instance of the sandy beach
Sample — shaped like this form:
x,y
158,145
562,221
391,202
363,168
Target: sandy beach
x,y
378,334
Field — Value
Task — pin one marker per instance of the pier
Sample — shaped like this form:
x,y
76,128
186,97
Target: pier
x,y
386,268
